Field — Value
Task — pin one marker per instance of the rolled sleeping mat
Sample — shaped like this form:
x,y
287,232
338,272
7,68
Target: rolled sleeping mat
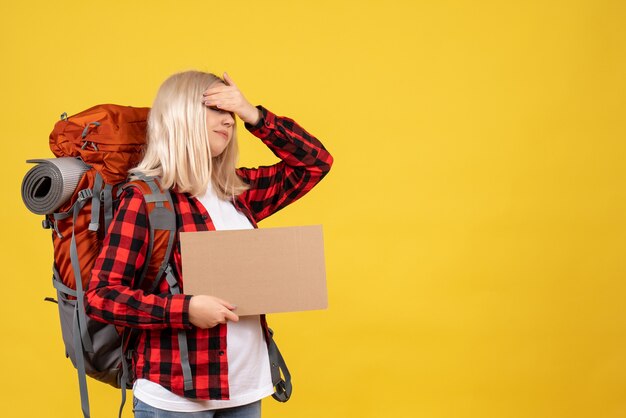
x,y
51,183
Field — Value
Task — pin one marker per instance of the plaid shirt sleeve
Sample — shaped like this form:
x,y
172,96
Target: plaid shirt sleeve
x,y
110,296
304,162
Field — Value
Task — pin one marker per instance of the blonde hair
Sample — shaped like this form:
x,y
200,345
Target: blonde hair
x,y
178,148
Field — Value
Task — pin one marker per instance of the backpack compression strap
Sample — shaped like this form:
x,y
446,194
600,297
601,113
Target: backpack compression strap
x,y
82,340
162,220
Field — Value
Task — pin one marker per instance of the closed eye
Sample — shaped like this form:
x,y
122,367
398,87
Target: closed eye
x,y
217,109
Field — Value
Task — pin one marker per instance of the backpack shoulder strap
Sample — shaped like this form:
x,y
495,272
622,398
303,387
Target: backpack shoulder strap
x,y
162,221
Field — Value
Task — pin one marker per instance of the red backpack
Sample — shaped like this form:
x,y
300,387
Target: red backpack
x,y
77,192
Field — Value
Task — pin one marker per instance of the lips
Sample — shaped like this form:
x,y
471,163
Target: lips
x,y
224,134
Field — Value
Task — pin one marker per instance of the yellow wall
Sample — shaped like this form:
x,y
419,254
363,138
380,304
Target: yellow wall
x,y
474,219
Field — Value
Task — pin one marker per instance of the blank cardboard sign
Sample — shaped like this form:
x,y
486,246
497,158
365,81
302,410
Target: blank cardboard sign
x,y
258,270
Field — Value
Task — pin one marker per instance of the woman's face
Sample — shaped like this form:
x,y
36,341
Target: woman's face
x,y
220,125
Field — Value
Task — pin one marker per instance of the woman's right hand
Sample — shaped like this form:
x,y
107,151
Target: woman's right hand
x,y
228,97
208,311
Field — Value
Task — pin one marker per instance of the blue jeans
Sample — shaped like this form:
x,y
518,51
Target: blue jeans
x,y
143,410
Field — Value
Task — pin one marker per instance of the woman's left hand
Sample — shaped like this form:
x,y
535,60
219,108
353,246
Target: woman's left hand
x,y
229,98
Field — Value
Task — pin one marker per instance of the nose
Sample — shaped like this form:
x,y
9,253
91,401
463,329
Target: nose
x,y
228,119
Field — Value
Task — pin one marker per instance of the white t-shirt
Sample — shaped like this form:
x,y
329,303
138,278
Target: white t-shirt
x,y
249,376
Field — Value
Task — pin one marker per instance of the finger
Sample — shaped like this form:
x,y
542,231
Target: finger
x,y
221,97
215,102
229,105
227,305
222,105
224,100
229,80
218,89
231,316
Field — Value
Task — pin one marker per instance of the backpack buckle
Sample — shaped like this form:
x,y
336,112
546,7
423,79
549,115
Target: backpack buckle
x,y
86,130
85,194
45,224
93,145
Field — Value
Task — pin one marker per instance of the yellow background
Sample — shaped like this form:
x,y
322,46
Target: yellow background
x,y
474,218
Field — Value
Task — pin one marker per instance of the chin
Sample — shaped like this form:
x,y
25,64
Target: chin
x,y
217,153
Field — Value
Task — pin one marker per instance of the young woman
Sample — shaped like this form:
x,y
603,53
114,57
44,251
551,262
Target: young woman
x,y
192,148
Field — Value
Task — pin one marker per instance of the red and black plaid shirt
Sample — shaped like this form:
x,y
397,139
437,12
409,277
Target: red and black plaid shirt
x,y
111,295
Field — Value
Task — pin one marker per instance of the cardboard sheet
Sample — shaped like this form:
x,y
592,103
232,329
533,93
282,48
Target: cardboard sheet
x,y
258,270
